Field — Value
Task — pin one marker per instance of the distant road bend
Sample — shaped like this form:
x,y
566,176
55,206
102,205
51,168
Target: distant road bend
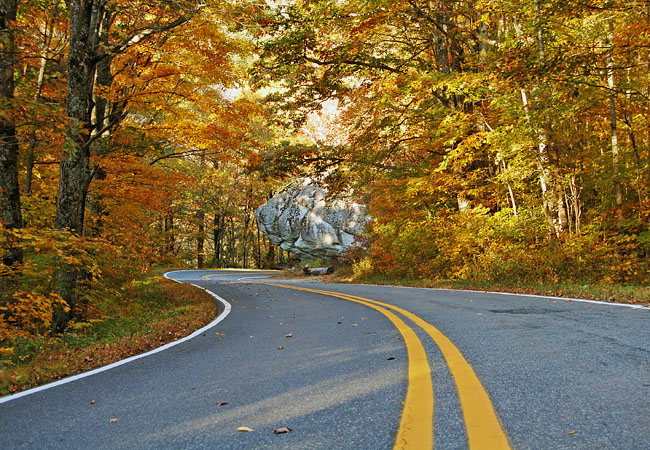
x,y
363,367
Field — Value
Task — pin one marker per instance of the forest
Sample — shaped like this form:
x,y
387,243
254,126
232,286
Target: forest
x,y
493,141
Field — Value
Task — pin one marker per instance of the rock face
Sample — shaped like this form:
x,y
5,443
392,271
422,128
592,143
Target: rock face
x,y
307,223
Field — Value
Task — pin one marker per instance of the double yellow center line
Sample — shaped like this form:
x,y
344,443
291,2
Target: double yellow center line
x,y
484,431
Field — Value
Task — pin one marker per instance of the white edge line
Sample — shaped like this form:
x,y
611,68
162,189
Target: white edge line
x,y
219,318
547,297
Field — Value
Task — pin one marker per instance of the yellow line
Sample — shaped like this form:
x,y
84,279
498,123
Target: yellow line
x,y
416,425
484,431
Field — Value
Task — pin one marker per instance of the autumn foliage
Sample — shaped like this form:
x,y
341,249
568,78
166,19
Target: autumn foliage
x,y
492,140
141,160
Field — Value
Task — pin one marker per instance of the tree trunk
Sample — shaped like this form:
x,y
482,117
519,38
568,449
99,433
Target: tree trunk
x,y
547,157
9,188
232,245
86,20
510,190
270,254
558,192
544,174
576,204
95,207
217,235
75,172
244,237
27,190
259,246
29,164
169,233
551,186
200,239
618,194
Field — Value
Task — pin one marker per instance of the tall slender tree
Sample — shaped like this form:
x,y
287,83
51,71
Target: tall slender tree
x,y
88,49
9,188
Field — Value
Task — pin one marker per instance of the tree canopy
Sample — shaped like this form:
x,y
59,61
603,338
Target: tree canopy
x,y
491,140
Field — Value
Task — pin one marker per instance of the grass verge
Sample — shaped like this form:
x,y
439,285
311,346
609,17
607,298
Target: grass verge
x,y
148,313
639,295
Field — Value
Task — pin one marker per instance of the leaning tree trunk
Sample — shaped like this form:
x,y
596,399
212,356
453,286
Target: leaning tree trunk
x,y
9,189
75,173
86,18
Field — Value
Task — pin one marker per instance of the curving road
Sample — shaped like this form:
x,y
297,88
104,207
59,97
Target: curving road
x,y
363,367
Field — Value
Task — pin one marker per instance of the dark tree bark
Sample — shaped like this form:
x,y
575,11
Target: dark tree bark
x,y
200,239
270,254
75,172
244,237
86,56
258,254
217,235
9,188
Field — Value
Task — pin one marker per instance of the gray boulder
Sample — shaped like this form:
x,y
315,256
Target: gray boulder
x,y
308,223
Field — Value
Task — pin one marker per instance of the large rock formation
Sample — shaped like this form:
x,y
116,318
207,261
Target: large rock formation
x,y
304,221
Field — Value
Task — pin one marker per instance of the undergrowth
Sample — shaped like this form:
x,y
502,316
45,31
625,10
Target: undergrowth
x,y
145,314
599,291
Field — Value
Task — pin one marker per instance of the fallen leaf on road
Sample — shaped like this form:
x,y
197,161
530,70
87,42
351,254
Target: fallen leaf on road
x,y
290,335
113,420
222,403
573,432
244,429
390,358
355,324
220,334
281,430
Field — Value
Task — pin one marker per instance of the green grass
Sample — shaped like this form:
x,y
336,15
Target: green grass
x,y
147,313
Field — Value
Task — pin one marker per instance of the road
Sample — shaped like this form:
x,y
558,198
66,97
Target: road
x,y
363,367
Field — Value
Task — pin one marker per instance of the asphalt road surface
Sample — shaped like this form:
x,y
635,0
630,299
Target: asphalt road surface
x,y
362,367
